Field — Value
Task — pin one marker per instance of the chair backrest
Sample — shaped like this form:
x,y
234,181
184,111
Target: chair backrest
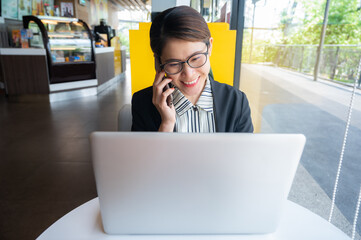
x,y
142,60
125,118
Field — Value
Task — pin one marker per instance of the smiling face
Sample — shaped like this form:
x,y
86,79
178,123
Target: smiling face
x,y
190,81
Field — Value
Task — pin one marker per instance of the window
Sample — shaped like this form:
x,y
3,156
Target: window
x,y
277,74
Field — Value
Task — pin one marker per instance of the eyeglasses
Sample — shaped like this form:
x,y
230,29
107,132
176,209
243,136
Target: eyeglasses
x,y
195,61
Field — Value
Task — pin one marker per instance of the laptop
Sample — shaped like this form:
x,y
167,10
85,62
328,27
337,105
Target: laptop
x,y
211,183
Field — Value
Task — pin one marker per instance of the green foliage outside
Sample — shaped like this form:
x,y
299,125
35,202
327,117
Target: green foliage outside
x,y
123,33
344,28
344,23
124,41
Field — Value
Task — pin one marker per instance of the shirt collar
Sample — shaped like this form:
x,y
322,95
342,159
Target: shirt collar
x,y
205,101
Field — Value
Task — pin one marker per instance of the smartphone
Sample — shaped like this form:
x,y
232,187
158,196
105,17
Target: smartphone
x,y
170,97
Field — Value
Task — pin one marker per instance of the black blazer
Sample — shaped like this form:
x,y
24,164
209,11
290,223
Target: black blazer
x,y
230,106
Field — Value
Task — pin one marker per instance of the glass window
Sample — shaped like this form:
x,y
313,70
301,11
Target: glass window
x,y
279,55
213,10
129,20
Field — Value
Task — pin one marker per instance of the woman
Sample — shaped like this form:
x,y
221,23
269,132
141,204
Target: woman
x,y
181,43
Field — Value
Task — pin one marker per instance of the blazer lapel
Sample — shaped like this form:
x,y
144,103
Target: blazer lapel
x,y
217,103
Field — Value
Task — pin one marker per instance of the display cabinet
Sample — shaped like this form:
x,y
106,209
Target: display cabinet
x,y
69,46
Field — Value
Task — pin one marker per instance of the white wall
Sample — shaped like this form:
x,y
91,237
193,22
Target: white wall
x,y
183,2
161,5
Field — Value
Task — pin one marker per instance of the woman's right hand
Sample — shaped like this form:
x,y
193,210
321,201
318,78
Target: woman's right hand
x,y
159,100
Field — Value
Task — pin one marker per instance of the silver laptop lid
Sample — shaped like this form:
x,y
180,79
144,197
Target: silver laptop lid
x,y
220,183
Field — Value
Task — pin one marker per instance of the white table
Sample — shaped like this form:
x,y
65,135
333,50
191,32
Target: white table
x,y
297,222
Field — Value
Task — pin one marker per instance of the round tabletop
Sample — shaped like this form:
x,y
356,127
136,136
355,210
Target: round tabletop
x,y
297,222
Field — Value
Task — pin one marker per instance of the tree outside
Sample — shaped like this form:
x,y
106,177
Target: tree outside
x,y
293,43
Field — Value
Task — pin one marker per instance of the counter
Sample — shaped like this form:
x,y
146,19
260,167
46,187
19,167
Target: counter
x,y
104,57
25,72
22,51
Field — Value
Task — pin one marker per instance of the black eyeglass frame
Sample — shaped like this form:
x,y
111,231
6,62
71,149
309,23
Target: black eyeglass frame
x,y
187,61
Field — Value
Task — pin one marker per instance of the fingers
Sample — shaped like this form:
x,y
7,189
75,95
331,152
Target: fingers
x,y
158,77
166,93
161,91
158,88
160,95
164,82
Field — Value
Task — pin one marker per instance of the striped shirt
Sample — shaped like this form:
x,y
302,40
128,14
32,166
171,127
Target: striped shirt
x,y
198,118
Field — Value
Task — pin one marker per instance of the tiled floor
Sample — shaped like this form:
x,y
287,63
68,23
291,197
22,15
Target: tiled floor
x,y
45,165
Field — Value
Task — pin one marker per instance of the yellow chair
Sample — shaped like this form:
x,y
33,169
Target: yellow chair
x,y
142,60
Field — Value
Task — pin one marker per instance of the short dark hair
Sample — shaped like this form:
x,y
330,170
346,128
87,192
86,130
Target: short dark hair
x,y
182,22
